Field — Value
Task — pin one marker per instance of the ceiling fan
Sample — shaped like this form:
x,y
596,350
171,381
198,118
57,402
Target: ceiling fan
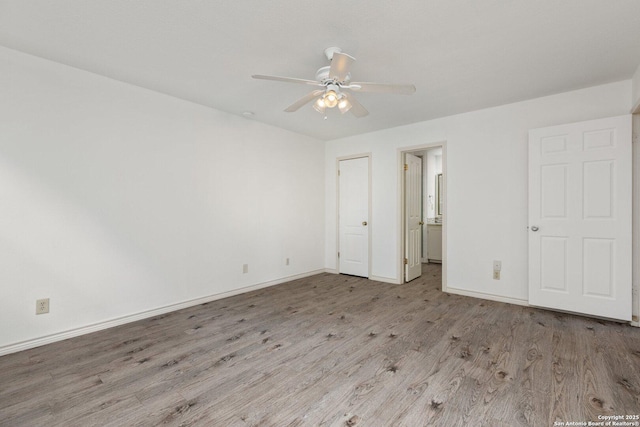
x,y
335,85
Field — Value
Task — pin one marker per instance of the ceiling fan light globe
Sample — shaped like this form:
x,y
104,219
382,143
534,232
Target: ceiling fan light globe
x,y
344,105
331,99
319,105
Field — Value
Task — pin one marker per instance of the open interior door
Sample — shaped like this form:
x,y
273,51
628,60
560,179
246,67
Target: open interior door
x,y
413,217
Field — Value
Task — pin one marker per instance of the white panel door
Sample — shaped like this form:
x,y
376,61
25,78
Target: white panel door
x,y
580,217
354,216
413,216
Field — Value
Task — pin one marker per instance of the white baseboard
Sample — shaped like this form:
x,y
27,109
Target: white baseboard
x,y
489,297
376,278
385,280
37,342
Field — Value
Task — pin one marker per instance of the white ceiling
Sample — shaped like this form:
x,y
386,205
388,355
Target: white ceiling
x,y
462,55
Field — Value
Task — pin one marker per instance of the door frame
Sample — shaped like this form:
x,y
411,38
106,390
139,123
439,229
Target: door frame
x,y
370,220
635,216
401,208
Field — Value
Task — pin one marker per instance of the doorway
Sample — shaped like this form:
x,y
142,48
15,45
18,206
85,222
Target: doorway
x,y
422,225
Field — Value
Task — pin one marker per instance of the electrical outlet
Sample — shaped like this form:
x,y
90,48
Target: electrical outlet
x,y
286,262
245,268
497,266
42,306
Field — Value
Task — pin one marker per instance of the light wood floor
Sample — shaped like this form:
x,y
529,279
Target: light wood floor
x,y
332,350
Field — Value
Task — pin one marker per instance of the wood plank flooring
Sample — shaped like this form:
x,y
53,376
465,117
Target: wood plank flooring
x,y
332,351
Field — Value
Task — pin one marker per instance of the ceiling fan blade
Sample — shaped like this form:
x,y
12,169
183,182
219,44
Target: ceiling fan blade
x,y
356,108
304,100
287,80
381,88
340,65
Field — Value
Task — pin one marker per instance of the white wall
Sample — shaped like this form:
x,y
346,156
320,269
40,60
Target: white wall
x,y
117,200
486,181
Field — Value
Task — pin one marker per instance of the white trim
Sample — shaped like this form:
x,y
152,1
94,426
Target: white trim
x,y
385,280
331,270
369,197
400,204
37,342
490,297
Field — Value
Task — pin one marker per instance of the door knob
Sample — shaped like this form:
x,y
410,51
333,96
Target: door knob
x,y
364,222
534,228
421,223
